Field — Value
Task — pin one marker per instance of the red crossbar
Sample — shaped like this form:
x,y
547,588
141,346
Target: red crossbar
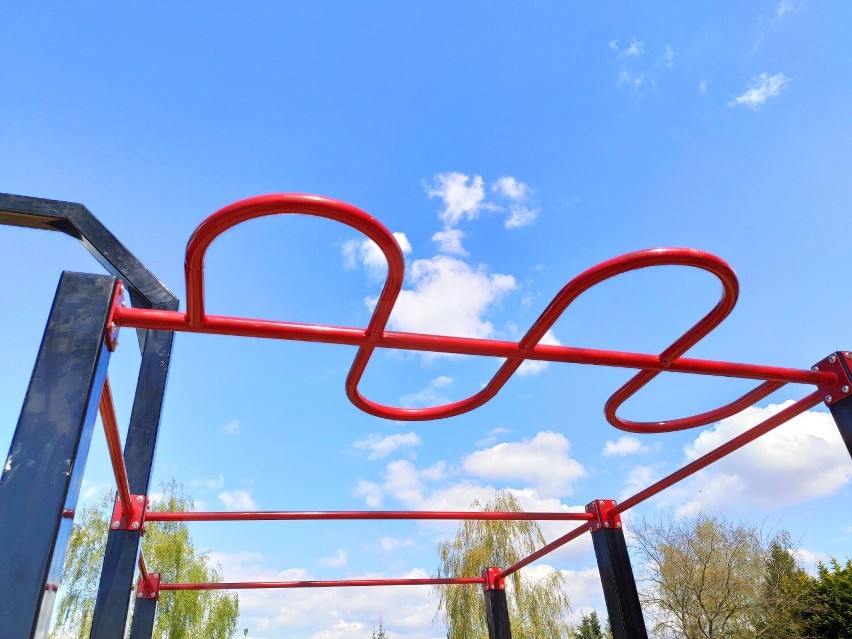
x,y
243,585
365,514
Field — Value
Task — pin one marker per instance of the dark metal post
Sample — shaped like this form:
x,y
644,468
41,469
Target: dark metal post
x,y
145,608
838,398
496,606
42,473
113,600
619,585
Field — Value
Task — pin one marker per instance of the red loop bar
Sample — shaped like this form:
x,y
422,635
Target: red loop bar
x,y
375,335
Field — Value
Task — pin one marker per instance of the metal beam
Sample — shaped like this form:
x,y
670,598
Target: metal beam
x,y
42,473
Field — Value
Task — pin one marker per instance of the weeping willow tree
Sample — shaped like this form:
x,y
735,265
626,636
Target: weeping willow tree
x,y
168,550
537,609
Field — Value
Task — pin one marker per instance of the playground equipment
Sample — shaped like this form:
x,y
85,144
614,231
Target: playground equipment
x,y
41,476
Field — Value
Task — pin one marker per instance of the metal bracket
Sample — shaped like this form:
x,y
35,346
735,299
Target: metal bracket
x,y
112,328
491,581
605,515
150,588
133,519
834,363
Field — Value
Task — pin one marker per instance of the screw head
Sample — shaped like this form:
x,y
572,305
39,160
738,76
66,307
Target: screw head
x,y
606,524
844,388
847,354
139,498
135,525
815,368
116,524
828,399
618,524
831,359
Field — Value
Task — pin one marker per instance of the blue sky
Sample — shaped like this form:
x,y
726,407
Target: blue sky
x,y
513,147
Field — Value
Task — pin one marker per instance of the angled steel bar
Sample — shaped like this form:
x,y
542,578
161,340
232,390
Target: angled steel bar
x,y
42,473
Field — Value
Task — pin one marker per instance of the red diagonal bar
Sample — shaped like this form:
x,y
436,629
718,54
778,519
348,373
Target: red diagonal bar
x,y
549,548
314,515
113,439
343,583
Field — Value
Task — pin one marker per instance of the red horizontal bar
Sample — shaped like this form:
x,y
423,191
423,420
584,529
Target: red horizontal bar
x,y
549,548
221,325
365,514
725,449
248,585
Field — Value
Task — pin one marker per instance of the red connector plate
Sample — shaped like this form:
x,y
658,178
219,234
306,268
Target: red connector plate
x,y
131,519
605,515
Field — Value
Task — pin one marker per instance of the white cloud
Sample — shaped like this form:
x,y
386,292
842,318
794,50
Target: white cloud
x,y
371,492
801,460
390,544
760,89
448,296
511,188
377,446
208,483
231,429
450,241
668,57
429,396
520,216
624,445
784,7
702,86
635,49
639,478
370,256
629,81
543,461
237,500
463,196
337,560
536,366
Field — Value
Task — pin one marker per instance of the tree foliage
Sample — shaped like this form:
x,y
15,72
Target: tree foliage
x,y
590,627
168,549
829,615
379,633
537,610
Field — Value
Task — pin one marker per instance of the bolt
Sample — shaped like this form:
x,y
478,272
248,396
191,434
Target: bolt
x,y
135,525
831,359
845,389
847,354
815,368
618,524
116,524
828,399
606,524
139,498
124,305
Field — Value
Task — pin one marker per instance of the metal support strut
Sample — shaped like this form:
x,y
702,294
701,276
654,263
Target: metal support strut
x,y
619,586
42,473
496,605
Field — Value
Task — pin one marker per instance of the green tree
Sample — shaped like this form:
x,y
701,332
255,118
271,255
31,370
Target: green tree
x,y
169,550
702,577
379,633
786,593
536,610
590,627
830,612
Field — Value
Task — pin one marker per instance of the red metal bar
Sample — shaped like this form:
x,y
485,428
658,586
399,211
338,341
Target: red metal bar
x,y
549,548
113,439
725,449
242,585
143,569
359,514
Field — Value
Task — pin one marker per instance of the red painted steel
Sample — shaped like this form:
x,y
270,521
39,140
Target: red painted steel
x,y
375,335
727,448
113,439
243,585
368,514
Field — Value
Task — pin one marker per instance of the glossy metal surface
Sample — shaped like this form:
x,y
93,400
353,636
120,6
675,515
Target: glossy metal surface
x,y
364,514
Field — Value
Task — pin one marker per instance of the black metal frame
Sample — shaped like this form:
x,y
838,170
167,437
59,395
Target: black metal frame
x,y
119,564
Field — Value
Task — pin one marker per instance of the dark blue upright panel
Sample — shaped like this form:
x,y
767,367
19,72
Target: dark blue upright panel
x,y
497,614
43,470
619,586
122,547
144,613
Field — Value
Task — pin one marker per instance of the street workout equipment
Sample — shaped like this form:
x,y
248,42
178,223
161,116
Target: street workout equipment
x,y
42,473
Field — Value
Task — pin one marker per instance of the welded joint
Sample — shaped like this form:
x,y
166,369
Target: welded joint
x,y
838,363
605,515
112,327
131,517
492,580
149,588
